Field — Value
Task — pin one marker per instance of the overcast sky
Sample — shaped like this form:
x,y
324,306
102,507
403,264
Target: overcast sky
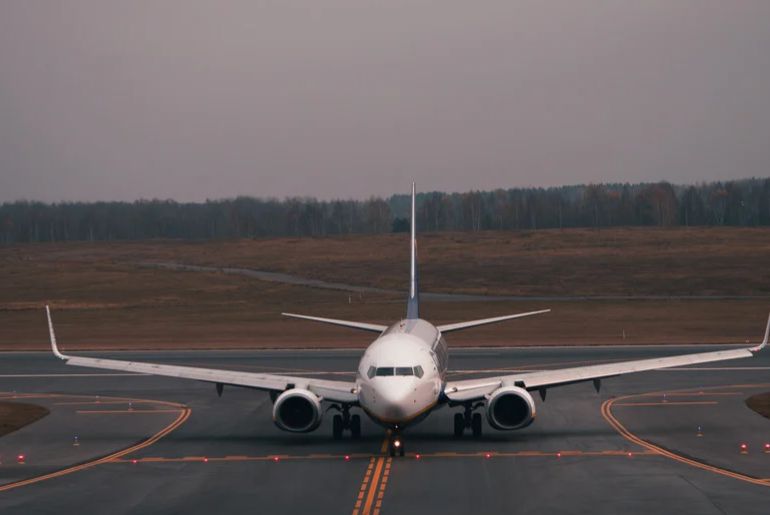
x,y
119,100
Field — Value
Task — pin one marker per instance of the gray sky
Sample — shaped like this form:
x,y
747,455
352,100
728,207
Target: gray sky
x,y
192,100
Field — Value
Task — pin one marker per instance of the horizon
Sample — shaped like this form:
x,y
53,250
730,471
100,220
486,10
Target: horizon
x,y
606,185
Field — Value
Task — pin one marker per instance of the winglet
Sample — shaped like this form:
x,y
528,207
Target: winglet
x,y
764,342
52,335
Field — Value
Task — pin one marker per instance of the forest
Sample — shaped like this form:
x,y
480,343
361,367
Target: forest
x,y
744,203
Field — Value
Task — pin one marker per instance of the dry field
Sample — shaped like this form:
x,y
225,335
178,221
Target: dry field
x,y
102,298
760,403
15,415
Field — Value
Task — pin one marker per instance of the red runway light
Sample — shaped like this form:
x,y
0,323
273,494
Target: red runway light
x,y
133,461
276,459
487,455
20,458
417,456
558,455
744,448
630,454
347,457
767,447
205,460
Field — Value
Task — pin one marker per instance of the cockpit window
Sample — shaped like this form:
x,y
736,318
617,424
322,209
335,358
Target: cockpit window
x,y
395,371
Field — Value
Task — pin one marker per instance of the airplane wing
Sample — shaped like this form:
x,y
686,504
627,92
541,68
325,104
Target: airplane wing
x,y
484,321
333,391
376,328
476,389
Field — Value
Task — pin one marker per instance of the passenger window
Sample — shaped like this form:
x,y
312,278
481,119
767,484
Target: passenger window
x,y
385,371
371,371
404,371
418,371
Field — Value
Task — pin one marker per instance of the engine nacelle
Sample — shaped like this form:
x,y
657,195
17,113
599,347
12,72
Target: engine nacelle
x,y
510,407
297,410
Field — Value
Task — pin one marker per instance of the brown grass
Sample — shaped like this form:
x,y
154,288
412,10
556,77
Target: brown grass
x,y
15,415
102,299
760,403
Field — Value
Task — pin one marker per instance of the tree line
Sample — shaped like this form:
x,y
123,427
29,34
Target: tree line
x,y
743,203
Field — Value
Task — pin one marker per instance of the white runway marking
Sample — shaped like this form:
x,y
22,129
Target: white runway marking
x,y
716,369
68,375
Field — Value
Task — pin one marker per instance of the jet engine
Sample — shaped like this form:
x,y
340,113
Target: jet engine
x,y
510,407
297,410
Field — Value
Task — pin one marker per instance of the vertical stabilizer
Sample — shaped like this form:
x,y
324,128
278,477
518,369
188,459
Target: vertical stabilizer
x,y
413,304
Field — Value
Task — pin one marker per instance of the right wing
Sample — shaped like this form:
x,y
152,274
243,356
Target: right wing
x,y
476,389
334,391
484,321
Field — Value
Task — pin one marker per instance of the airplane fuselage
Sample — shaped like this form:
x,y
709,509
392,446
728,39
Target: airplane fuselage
x,y
402,373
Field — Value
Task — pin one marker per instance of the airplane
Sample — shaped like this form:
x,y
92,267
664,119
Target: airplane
x,y
402,377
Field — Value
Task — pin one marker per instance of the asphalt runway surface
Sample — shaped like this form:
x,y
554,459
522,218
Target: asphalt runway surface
x,y
655,442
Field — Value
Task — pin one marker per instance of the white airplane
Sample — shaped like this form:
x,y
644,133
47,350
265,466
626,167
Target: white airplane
x,y
401,377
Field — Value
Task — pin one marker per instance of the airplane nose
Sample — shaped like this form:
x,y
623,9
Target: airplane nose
x,y
396,399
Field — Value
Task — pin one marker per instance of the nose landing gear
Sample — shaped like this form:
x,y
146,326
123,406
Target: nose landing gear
x,y
468,420
345,421
396,445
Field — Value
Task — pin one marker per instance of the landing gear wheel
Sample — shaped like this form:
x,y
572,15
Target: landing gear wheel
x,y
355,427
337,427
476,425
396,446
459,425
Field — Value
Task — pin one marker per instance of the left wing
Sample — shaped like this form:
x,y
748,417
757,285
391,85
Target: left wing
x,y
472,389
334,391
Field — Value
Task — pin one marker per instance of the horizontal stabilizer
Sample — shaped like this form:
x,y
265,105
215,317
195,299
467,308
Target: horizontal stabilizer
x,y
484,321
375,328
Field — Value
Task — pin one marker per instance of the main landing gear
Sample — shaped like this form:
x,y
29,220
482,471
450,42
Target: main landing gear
x,y
345,421
468,420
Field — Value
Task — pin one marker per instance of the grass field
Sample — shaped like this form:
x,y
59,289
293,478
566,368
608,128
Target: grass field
x,y
760,403
15,415
103,298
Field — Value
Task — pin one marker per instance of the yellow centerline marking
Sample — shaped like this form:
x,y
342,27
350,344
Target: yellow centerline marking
x,y
664,403
373,459
100,402
373,486
184,414
125,411
606,411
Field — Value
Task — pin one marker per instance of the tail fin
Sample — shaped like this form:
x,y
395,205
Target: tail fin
x,y
413,303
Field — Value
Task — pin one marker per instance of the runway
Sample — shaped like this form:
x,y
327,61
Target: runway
x,y
656,442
